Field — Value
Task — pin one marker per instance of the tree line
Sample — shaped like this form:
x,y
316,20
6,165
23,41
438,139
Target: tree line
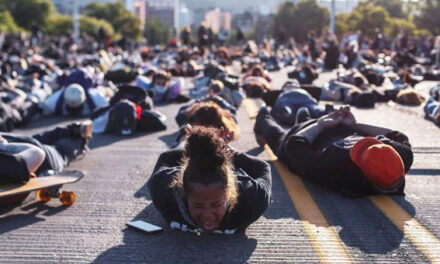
x,y
291,20
388,16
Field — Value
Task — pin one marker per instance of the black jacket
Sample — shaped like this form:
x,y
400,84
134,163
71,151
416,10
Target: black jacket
x,y
327,161
254,186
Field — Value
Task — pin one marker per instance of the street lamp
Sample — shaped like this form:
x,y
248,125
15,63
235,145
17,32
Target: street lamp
x,y
75,21
332,17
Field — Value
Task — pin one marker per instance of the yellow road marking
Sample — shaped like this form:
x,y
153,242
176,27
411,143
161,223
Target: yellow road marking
x,y
323,237
424,240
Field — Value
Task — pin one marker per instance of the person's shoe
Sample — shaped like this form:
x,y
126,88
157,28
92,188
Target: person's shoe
x,y
262,113
82,130
86,129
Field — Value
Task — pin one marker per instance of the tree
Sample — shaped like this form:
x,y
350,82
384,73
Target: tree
x,y
7,23
393,7
396,25
298,20
283,19
365,18
60,24
157,32
122,20
91,26
429,16
341,25
27,12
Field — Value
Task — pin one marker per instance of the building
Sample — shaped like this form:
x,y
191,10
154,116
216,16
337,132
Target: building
x,y
140,10
167,11
217,20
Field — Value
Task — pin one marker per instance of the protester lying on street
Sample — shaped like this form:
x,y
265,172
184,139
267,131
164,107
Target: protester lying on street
x,y
223,56
218,80
407,58
399,88
130,110
9,117
305,73
165,90
294,104
185,69
339,92
432,106
340,154
182,115
120,73
211,110
432,74
257,71
255,86
208,187
78,97
18,108
405,94
227,87
23,157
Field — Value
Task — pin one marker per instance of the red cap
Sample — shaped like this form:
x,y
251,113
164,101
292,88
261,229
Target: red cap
x,y
380,163
173,42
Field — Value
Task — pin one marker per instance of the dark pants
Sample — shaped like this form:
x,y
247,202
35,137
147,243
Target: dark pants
x,y
60,145
29,110
271,131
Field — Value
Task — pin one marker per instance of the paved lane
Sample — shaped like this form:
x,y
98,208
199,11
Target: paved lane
x,y
114,193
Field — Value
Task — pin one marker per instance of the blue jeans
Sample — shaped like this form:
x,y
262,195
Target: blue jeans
x,y
60,145
431,107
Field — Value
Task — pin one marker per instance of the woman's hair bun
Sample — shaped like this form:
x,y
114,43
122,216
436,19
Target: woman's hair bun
x,y
206,148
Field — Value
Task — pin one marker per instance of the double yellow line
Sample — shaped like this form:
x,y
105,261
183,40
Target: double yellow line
x,y
324,237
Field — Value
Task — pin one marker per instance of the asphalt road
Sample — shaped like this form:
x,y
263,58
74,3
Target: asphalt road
x,y
304,224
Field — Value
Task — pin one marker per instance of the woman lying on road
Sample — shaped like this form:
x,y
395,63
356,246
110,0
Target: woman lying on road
x,y
336,152
208,187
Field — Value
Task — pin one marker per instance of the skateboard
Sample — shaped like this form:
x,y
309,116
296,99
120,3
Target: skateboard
x,y
47,187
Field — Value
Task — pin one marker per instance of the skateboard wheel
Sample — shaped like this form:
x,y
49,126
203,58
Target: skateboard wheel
x,y
44,195
67,198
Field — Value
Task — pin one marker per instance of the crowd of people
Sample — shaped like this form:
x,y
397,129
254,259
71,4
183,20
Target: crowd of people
x,y
203,184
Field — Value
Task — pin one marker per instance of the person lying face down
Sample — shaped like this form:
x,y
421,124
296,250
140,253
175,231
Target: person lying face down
x,y
208,187
23,157
164,89
340,154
